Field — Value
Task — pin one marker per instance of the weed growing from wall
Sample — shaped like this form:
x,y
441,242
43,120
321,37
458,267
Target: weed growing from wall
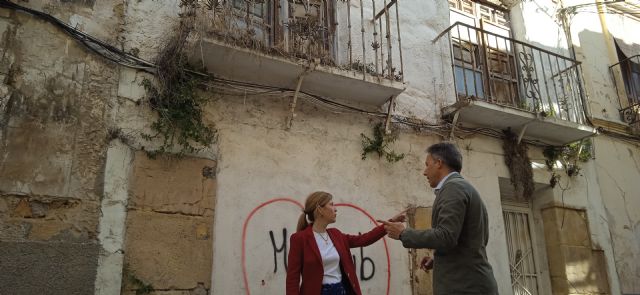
x,y
517,160
173,95
140,286
379,144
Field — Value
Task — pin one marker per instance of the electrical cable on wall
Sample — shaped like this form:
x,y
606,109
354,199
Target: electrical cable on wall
x,y
240,88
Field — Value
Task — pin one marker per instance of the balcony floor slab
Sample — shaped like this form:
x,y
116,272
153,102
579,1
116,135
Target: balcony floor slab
x,y
552,131
246,65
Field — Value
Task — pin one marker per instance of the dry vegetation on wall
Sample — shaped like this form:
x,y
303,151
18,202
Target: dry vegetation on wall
x,y
173,93
517,160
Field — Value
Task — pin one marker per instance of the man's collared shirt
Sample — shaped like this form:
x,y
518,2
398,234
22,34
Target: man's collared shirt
x,y
439,186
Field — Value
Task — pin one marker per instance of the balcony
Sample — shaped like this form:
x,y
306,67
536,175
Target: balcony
x,y
626,74
326,47
504,83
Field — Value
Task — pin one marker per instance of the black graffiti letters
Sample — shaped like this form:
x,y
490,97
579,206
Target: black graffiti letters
x,y
276,250
363,260
365,264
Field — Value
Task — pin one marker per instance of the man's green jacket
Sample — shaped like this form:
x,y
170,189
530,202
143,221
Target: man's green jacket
x,y
459,235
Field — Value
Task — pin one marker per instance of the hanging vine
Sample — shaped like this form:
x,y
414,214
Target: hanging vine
x,y
173,94
379,144
517,160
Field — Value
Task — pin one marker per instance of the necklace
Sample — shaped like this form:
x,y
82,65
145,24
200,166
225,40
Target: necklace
x,y
326,240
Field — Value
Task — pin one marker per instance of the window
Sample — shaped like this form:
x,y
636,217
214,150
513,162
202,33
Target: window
x,y
484,60
630,68
311,28
300,28
481,11
256,18
466,6
466,70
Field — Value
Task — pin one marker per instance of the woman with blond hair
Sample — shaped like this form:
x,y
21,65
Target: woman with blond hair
x,y
320,256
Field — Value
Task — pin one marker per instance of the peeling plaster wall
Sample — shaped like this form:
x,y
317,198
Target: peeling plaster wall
x,y
618,171
593,49
427,67
321,152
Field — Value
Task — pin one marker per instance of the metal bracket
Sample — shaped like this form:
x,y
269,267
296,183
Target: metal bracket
x,y
524,129
392,101
453,124
294,102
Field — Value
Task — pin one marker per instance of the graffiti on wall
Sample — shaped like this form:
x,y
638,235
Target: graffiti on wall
x,y
271,246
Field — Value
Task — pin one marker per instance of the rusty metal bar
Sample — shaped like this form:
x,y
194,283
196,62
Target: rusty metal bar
x,y
381,48
513,40
488,94
350,45
386,7
364,53
399,43
388,36
517,66
546,84
564,94
555,87
375,36
624,60
464,72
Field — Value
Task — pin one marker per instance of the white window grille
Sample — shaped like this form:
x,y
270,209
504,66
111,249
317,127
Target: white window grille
x,y
520,240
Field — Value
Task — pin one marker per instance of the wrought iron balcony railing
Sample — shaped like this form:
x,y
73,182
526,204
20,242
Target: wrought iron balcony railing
x,y
328,32
627,73
504,71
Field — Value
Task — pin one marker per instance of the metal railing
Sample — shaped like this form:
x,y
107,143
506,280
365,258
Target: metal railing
x,y
324,31
504,71
627,73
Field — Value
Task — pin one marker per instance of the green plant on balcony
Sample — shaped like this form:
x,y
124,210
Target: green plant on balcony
x,y
379,144
569,156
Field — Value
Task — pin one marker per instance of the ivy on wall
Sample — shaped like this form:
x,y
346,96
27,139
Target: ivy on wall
x,y
173,94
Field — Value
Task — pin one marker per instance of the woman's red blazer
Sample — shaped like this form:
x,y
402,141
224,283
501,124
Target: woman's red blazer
x,y
305,260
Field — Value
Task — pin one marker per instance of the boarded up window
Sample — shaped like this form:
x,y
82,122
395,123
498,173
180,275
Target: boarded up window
x,y
421,281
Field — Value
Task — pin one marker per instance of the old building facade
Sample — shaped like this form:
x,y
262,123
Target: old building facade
x,y
93,199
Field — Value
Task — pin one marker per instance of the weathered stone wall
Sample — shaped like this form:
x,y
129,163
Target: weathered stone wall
x,y
55,98
168,228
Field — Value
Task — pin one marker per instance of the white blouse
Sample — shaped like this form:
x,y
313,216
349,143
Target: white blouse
x,y
330,258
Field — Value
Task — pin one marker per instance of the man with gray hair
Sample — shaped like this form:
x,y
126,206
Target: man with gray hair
x,y
460,229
